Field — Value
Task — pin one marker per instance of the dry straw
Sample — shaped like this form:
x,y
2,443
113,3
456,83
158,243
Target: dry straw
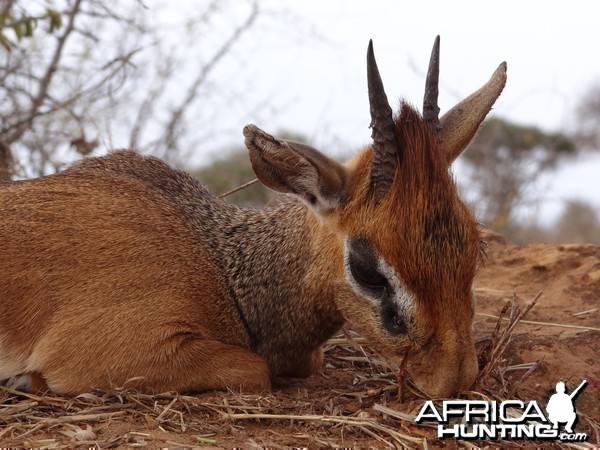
x,y
354,403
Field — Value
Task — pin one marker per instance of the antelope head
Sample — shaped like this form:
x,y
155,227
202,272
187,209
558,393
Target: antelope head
x,y
408,247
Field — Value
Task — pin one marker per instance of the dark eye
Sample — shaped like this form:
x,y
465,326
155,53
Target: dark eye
x,y
392,321
367,275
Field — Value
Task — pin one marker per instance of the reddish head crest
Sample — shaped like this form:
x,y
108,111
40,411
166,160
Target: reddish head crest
x,y
408,246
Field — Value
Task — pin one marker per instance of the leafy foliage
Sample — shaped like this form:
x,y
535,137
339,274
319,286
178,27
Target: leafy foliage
x,y
22,23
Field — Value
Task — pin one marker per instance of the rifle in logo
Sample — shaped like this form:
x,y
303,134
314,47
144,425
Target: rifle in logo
x,y
508,419
560,406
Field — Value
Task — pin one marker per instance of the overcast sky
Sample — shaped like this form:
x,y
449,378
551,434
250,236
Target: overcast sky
x,y
311,60
551,48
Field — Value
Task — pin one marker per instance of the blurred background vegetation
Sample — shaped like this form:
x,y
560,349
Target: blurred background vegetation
x,y
76,70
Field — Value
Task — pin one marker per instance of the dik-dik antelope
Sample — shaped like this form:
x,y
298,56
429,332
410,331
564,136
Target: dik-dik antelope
x,y
121,267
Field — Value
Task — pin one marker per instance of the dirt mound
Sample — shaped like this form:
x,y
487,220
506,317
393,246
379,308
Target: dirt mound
x,y
354,401
562,332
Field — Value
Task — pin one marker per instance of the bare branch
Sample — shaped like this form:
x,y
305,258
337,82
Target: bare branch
x,y
57,105
6,6
169,140
146,109
44,84
106,73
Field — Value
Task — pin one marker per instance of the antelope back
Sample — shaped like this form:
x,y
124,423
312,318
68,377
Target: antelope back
x,y
406,248
108,273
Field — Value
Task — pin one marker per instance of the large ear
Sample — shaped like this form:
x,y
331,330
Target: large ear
x,y
290,167
459,125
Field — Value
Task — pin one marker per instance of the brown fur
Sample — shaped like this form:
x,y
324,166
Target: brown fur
x,y
108,273
123,270
429,236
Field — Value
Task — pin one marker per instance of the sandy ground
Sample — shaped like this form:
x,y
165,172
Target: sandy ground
x,y
344,405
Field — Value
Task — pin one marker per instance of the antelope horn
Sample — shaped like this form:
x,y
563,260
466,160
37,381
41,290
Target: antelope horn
x,y
431,109
385,151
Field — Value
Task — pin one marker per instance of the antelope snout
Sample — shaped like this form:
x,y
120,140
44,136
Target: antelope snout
x,y
446,370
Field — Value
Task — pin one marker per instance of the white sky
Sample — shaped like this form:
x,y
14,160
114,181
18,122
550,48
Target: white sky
x,y
312,61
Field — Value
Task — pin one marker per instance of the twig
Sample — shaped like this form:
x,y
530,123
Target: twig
x,y
393,413
18,408
402,372
239,188
349,421
343,341
550,324
589,311
169,138
376,436
77,418
164,411
501,339
47,78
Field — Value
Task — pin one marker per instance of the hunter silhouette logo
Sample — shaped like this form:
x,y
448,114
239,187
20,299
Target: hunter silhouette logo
x,y
560,406
510,419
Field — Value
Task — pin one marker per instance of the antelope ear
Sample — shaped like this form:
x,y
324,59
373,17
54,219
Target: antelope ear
x,y
459,125
295,168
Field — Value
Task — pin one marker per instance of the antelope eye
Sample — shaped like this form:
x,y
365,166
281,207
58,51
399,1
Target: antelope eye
x,y
392,320
367,275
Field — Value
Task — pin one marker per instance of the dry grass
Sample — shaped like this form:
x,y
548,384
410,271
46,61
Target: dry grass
x,y
356,402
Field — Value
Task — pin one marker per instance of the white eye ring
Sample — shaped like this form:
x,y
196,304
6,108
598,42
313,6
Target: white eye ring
x,y
399,292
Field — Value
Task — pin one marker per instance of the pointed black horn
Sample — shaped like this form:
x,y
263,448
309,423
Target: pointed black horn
x,y
385,152
431,109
